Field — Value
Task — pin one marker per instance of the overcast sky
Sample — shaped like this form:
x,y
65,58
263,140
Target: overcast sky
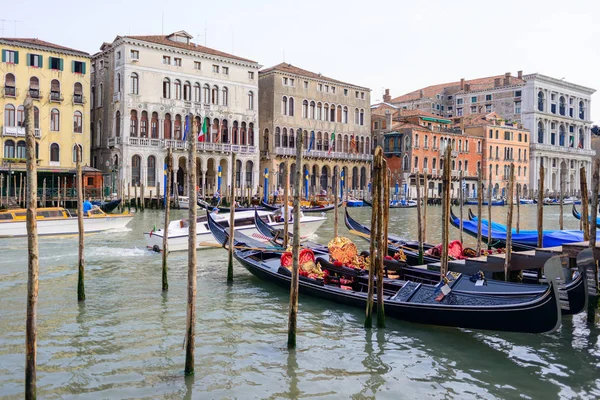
x,y
401,45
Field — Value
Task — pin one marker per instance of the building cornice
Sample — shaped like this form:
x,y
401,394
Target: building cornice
x,y
324,80
45,48
559,82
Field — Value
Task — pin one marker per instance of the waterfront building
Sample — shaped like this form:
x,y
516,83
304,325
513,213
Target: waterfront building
x,y
415,143
57,79
556,112
144,87
332,116
503,143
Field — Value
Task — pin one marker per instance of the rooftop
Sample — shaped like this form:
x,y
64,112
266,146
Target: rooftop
x,y
291,69
40,43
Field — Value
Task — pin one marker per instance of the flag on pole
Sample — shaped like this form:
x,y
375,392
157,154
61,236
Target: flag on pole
x,y
202,133
218,135
312,140
352,144
332,142
186,129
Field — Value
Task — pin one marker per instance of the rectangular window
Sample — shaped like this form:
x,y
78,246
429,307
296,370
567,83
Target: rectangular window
x,y
56,63
225,70
345,92
449,108
376,125
333,89
285,81
78,67
291,81
517,107
488,97
177,62
356,94
134,54
488,108
166,60
215,69
473,109
10,56
362,95
34,60
320,87
517,93
197,65
118,55
459,101
326,88
459,112
305,84
474,99
250,74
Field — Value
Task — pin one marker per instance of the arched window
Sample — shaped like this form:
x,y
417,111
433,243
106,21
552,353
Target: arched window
x,y
479,146
319,111
177,129
277,137
332,113
55,90
251,103
21,116
118,83
290,105
362,117
345,115
215,95
243,132
34,87
135,84
540,128
136,170
36,118
206,93
356,116
100,91
187,91
581,110
562,106
78,93
197,91
166,88
305,140
251,134
405,163
540,102
312,110
144,125
99,133
433,163
151,171
291,140
339,114
491,152
54,152
9,149
425,163
326,112
118,123
9,115
326,141
154,126
346,148
581,138
305,109
167,126
561,135
284,142
133,123
21,149
177,89
225,96
319,140
77,122
76,149
284,105
55,120
10,89
497,165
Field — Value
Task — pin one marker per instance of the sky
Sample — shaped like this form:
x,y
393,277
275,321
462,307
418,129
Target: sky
x,y
400,45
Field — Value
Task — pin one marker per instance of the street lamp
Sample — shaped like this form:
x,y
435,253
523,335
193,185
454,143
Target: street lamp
x,y
113,169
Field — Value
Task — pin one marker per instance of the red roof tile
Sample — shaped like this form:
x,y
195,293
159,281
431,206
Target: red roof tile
x,y
41,43
289,68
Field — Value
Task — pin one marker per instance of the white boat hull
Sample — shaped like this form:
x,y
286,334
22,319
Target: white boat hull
x,y
179,241
66,226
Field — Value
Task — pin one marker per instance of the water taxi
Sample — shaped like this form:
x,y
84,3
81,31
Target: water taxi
x,y
59,221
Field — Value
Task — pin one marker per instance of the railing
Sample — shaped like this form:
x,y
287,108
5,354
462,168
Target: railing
x,y
114,141
9,91
35,93
18,131
56,97
324,154
78,99
183,145
433,171
425,170
550,147
454,153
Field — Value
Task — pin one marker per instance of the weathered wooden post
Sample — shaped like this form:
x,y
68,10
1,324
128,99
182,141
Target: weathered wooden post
x,y
231,221
593,298
376,199
561,197
44,193
461,200
192,244
58,195
66,195
335,207
479,209
419,222
32,258
135,197
142,205
384,210
128,198
158,195
540,215
489,222
15,193
165,280
425,201
518,206
445,211
293,312
509,218
81,264
585,219
286,199
1,190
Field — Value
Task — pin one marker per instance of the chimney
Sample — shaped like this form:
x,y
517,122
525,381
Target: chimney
x,y
388,118
520,74
467,87
497,82
421,93
507,79
386,97
462,83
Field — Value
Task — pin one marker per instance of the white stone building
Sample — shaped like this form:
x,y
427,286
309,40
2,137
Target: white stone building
x,y
557,113
142,89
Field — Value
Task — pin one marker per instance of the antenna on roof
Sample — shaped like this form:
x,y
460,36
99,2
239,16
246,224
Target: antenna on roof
x,y
283,52
162,23
14,21
232,40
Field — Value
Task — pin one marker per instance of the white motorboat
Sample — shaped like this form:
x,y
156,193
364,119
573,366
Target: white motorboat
x,y
59,221
184,203
244,222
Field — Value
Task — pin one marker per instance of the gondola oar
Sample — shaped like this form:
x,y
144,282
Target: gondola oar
x,y
274,249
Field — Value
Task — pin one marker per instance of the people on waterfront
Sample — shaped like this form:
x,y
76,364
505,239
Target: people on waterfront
x,y
214,212
275,195
87,205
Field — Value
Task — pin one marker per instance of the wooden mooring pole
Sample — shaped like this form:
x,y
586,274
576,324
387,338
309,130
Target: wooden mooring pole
x,y
585,219
293,309
489,222
593,297
44,193
540,214
376,200
509,218
518,207
286,210
32,258
165,254
479,209
335,207
231,221
561,197
461,200
445,211
419,222
81,263
425,201
383,221
192,244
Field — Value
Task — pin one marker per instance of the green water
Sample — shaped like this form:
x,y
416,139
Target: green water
x,y
126,340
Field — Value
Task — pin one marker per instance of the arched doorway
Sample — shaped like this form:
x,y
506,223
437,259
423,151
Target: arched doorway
x,y
182,176
324,179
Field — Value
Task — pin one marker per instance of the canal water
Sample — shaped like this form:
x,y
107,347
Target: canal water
x,y
126,340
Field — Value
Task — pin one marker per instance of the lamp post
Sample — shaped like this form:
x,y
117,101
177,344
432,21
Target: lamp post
x,y
113,169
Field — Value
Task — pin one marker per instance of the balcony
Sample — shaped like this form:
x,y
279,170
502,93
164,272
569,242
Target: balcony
x,y
9,91
18,131
182,145
454,153
116,97
114,141
283,151
78,99
562,149
434,172
35,94
56,97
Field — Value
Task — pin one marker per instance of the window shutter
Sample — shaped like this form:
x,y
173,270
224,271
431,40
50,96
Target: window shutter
x,y
3,55
61,65
16,57
72,66
83,64
28,59
41,60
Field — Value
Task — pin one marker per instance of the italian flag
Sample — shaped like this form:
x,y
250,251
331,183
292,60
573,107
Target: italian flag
x,y
331,142
202,133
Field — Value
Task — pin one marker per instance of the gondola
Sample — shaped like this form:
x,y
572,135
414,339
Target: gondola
x,y
575,291
416,302
524,240
577,215
304,209
107,206
500,202
409,204
224,209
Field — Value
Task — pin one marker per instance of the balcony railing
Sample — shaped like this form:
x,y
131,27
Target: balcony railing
x,y
9,91
56,97
562,149
35,93
19,131
78,99
324,154
182,145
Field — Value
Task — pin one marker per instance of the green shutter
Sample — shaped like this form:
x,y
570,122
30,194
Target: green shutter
x,y
83,64
3,55
50,62
61,64
16,57
41,58
72,66
28,58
